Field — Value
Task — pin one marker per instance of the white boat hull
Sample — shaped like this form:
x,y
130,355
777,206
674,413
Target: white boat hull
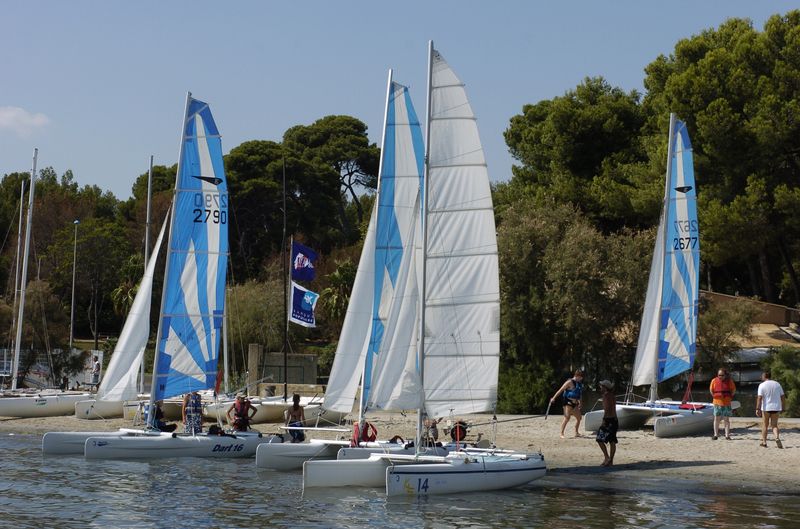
x,y
463,472
271,409
40,404
370,472
72,443
291,456
132,447
668,419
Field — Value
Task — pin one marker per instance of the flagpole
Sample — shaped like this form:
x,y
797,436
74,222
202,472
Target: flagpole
x,y
286,273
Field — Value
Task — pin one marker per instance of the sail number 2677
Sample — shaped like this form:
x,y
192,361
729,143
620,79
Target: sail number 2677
x,y
207,208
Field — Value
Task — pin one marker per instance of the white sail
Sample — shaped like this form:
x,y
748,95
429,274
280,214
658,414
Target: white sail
x,y
462,292
119,380
348,363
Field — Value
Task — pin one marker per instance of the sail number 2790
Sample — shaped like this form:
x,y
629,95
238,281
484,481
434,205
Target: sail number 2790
x,y
207,208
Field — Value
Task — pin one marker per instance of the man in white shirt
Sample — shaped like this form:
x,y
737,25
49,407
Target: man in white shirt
x,y
770,403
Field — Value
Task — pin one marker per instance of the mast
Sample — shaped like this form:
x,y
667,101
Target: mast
x,y
225,347
286,272
151,416
18,254
425,188
147,249
23,280
662,225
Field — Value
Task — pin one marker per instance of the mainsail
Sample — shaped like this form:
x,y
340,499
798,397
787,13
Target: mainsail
x,y
119,380
668,333
193,301
461,285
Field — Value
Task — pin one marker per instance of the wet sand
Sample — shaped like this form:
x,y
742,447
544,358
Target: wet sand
x,y
741,462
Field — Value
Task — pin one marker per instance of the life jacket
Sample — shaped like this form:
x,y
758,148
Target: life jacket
x,y
364,435
575,392
194,406
240,409
722,390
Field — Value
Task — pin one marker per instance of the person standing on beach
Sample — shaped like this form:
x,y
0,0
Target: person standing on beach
x,y
241,410
95,371
572,390
607,433
192,413
770,402
722,391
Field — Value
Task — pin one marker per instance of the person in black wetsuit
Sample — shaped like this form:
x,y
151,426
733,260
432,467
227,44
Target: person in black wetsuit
x,y
572,390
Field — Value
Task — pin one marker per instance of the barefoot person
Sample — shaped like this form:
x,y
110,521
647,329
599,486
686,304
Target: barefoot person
x,y
722,391
770,402
572,390
608,429
295,416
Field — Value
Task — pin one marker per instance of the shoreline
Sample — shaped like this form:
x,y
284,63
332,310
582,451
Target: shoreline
x,y
739,464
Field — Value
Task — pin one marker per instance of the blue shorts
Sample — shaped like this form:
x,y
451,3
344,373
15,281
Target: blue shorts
x,y
722,411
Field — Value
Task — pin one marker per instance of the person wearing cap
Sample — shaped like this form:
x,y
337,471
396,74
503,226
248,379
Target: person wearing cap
x,y
243,411
607,433
572,390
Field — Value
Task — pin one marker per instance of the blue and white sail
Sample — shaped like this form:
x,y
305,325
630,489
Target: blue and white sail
x,y
668,334
193,301
388,242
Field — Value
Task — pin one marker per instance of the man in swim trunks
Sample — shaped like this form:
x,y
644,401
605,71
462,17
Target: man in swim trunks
x,y
608,429
722,391
771,401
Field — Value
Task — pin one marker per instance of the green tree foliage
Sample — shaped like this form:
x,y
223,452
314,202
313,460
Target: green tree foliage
x,y
784,366
570,297
720,328
256,315
336,296
738,90
584,148
340,145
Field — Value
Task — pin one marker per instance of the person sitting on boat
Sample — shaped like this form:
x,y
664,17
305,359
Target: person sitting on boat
x,y
607,433
192,413
722,391
159,420
572,390
295,416
243,410
431,434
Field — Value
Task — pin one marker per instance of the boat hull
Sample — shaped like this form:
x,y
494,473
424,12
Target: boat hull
x,y
131,447
291,456
688,422
72,443
459,473
370,472
271,409
669,419
40,404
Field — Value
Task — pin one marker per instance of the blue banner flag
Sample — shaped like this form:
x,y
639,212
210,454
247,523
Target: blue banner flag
x,y
303,259
302,307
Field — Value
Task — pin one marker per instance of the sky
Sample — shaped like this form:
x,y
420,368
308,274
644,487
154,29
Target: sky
x,y
98,87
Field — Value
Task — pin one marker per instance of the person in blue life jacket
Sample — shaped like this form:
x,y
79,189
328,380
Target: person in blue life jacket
x,y
572,390
192,413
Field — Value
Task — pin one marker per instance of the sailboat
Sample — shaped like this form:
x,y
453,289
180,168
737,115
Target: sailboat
x,y
36,403
387,246
193,300
119,382
448,363
668,332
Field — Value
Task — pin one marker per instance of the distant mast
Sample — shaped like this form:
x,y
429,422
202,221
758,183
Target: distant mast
x,y
23,280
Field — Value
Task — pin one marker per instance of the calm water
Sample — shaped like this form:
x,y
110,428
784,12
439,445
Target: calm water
x,y
69,492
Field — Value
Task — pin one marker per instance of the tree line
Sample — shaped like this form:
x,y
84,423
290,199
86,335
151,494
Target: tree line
x,y
575,220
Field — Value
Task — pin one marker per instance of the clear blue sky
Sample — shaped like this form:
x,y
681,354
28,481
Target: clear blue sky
x,y
100,86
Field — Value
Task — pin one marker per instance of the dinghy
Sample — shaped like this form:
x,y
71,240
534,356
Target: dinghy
x,y
668,332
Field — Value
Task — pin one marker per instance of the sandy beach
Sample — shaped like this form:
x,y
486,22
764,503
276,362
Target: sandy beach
x,y
740,462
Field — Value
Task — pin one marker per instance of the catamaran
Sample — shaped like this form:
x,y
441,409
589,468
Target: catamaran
x,y
450,289
387,246
193,300
668,332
